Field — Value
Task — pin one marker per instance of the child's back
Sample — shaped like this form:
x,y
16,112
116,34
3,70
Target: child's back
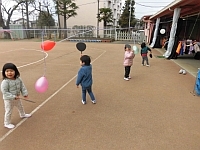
x,y
86,73
85,78
144,50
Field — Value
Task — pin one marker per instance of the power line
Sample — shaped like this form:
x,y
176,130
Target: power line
x,y
149,6
145,12
90,3
87,3
155,2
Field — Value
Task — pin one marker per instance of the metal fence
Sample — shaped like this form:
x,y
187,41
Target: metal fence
x,y
74,33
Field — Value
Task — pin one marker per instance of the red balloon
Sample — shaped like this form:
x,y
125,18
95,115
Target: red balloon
x,y
48,45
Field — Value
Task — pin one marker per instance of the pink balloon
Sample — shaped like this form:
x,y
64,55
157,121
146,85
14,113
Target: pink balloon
x,y
41,85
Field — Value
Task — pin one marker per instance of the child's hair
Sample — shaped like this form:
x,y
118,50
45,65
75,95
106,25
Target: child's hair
x,y
10,66
85,59
127,46
143,45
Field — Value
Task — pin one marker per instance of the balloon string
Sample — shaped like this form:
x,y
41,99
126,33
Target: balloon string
x,y
57,42
45,65
73,36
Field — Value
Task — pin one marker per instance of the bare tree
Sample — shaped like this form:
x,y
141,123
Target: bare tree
x,y
1,17
9,13
45,15
58,15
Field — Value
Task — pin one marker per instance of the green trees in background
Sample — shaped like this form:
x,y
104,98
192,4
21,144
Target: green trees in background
x,y
126,15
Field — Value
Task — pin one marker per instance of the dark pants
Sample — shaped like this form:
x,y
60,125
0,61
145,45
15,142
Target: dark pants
x,y
145,58
197,56
127,71
89,90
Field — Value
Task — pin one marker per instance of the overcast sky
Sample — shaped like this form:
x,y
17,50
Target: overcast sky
x,y
142,7
149,7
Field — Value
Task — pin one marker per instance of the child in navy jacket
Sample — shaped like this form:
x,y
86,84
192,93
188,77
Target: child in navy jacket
x,y
144,52
84,78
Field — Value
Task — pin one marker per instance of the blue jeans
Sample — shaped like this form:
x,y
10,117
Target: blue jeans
x,y
89,90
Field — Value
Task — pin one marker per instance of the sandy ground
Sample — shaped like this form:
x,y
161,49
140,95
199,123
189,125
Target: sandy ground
x,y
155,110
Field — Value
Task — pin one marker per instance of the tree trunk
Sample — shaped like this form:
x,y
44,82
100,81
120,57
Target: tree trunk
x,y
65,26
27,21
49,32
104,27
59,25
7,35
2,24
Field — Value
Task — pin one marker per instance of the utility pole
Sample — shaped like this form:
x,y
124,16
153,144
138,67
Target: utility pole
x,y
130,13
98,15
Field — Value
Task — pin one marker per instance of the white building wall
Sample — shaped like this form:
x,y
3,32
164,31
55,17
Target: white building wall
x,y
87,12
116,6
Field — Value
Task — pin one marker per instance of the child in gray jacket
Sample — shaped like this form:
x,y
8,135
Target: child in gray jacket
x,y
11,87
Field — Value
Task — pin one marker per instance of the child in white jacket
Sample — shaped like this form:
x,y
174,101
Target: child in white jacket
x,y
11,88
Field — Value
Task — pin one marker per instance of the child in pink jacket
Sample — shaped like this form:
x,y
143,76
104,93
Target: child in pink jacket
x,y
128,61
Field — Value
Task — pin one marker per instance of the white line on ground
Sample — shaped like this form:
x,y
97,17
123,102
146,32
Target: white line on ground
x,y
46,55
191,73
42,104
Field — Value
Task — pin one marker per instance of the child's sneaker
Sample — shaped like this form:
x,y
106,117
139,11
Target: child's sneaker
x,y
26,116
126,79
148,65
83,102
181,71
9,126
93,101
129,77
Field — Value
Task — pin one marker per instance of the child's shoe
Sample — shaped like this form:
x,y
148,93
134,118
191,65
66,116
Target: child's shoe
x,y
83,102
184,72
148,65
93,101
26,116
129,77
126,79
181,71
9,126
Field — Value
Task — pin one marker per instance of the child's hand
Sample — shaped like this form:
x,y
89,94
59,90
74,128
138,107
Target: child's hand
x,y
17,97
26,97
77,86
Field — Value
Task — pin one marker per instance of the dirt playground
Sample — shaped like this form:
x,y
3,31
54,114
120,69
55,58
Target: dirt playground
x,y
155,110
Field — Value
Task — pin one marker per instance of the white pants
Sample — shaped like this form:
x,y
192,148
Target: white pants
x,y
9,104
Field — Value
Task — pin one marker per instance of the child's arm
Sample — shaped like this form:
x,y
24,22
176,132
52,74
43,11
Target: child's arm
x,y
79,77
149,49
5,91
23,89
133,54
